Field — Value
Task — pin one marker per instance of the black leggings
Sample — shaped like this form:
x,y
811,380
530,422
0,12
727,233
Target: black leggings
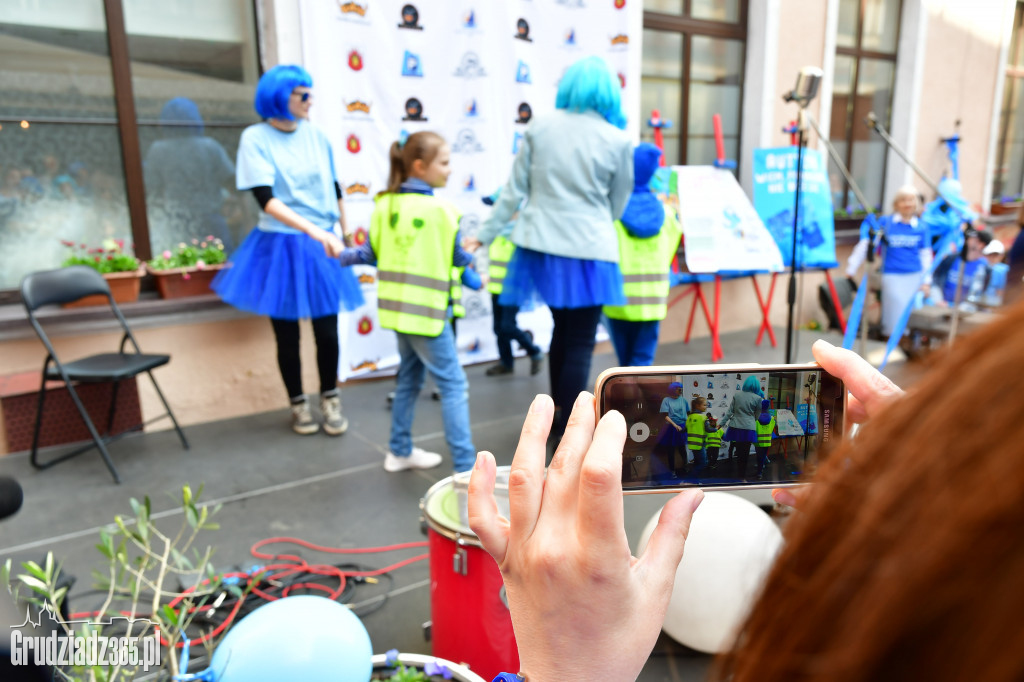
x,y
741,451
325,331
572,347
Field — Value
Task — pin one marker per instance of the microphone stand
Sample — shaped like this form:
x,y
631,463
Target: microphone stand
x,y
872,122
791,294
855,188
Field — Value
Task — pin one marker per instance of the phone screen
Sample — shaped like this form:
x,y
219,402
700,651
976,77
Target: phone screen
x,y
759,426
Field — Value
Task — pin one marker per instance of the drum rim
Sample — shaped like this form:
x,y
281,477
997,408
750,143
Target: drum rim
x,y
438,527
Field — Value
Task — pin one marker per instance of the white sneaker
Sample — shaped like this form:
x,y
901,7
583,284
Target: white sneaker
x,y
335,423
302,419
417,459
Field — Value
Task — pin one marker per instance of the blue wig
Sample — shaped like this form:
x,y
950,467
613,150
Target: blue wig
x,y
751,385
275,88
589,85
180,116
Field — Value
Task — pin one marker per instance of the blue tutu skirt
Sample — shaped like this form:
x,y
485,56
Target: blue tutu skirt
x,y
740,435
560,282
670,437
286,276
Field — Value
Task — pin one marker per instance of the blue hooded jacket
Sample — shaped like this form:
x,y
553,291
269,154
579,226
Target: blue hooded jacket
x,y
644,214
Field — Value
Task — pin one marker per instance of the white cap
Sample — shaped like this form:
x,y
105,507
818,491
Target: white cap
x,y
995,246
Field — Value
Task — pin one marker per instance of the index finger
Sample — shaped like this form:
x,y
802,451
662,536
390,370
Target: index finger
x,y
600,519
526,475
871,388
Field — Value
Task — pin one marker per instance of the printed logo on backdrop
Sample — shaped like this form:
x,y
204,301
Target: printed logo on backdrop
x,y
468,22
471,111
357,109
517,141
619,42
365,325
355,60
410,18
470,67
358,191
411,65
523,72
570,39
366,279
466,143
523,30
414,110
469,184
354,12
524,113
622,80
572,4
619,4
360,236
353,145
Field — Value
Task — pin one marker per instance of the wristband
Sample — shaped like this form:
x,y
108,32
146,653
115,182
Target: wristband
x,y
509,677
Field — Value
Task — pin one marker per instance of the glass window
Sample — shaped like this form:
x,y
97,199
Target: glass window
x,y
716,10
716,68
1008,181
194,72
849,14
661,86
61,171
664,6
839,128
881,24
867,158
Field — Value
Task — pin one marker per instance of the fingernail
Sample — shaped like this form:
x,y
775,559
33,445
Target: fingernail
x,y
698,497
783,497
479,461
823,342
537,404
582,398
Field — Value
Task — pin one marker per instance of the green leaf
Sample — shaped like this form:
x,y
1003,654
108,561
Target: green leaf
x,y
170,615
191,517
49,566
33,568
211,526
35,583
186,495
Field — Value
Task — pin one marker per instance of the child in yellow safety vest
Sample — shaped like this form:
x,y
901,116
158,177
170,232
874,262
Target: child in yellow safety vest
x,y
713,442
415,244
648,239
764,426
696,434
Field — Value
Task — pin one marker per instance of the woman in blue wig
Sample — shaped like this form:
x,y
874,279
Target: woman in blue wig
x,y
741,420
287,268
574,171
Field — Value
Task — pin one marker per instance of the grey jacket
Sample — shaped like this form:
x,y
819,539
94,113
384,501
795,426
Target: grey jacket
x,y
743,411
575,172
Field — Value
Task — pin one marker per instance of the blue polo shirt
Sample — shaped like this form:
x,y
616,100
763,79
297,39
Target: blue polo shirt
x,y
904,242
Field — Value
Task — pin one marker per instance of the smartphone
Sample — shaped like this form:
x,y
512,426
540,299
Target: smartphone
x,y
723,426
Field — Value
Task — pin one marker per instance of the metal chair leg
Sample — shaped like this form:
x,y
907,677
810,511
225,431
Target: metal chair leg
x,y
39,425
100,443
160,394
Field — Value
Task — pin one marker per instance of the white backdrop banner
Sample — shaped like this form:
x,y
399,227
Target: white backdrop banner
x,y
474,71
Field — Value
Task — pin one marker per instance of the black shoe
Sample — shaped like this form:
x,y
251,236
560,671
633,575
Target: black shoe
x,y
498,369
536,363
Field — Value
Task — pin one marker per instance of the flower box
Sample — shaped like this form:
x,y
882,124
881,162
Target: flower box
x,y
182,282
124,287
1005,208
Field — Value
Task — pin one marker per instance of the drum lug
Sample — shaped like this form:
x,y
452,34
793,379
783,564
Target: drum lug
x,y
428,630
460,561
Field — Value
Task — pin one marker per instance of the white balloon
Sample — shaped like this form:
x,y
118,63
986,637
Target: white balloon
x,y
731,545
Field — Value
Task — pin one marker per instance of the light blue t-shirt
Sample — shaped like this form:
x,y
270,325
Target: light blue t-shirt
x,y
677,409
298,167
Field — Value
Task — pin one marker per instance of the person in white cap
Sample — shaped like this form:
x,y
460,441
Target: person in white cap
x,y
994,252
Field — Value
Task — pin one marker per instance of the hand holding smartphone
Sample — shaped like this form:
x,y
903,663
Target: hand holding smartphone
x,y
723,426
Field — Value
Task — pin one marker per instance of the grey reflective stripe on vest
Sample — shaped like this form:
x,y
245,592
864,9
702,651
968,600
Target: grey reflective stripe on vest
x,y
498,262
411,309
632,279
646,300
416,280
497,280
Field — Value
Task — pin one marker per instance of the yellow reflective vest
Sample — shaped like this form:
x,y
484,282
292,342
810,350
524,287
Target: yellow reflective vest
x,y
645,265
413,236
695,430
458,310
498,256
764,433
715,438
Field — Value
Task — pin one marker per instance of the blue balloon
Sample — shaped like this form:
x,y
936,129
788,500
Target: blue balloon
x,y
295,638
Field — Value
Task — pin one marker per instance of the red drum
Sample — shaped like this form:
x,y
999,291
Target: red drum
x,y
469,614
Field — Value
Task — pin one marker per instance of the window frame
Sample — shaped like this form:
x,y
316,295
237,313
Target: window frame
x,y
689,27
856,54
127,123
1014,76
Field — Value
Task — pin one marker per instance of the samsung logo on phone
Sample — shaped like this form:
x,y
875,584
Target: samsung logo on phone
x,y
826,425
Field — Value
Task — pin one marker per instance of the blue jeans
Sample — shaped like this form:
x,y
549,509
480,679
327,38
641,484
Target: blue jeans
x,y
634,342
507,331
438,355
700,460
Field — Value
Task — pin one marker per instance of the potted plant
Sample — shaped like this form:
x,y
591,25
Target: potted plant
x,y
121,270
189,269
398,667
1007,204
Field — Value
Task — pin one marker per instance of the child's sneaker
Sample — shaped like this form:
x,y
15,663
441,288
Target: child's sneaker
x,y
417,459
335,422
302,419
536,363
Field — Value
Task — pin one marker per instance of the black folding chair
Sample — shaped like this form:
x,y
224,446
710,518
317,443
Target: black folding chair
x,y
64,286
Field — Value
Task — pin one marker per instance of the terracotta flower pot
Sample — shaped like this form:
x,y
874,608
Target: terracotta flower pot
x,y
124,287
181,282
459,673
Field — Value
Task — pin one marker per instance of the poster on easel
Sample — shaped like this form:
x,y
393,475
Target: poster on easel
x,y
775,199
721,230
787,423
